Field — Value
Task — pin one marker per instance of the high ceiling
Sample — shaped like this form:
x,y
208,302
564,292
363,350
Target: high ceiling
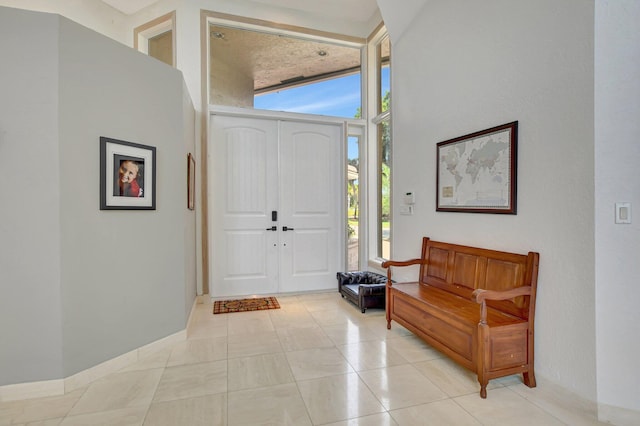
x,y
274,61
129,7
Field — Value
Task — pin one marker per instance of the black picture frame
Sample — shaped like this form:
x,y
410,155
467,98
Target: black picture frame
x,y
127,175
477,173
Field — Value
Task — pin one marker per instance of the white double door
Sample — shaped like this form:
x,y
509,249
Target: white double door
x,y
275,202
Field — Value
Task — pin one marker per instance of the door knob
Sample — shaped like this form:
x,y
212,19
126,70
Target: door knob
x,y
285,229
273,228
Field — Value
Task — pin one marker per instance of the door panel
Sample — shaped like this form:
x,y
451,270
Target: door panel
x,y
311,255
310,196
243,179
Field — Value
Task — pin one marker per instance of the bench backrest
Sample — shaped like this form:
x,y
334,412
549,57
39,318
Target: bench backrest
x,y
462,269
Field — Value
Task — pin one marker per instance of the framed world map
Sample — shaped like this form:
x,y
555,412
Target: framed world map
x,y
476,173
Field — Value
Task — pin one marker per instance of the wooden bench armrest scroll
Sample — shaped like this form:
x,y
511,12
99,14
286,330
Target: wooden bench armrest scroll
x,y
481,296
388,263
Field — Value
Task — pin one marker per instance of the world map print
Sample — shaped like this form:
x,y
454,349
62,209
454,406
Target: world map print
x,y
475,173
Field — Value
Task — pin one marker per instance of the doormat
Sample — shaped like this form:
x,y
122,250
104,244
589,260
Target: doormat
x,y
245,305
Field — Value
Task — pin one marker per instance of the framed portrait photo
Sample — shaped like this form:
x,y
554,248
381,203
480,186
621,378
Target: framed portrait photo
x,y
476,173
127,175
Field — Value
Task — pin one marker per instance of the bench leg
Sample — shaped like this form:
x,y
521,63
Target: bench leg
x,y
483,391
529,378
483,343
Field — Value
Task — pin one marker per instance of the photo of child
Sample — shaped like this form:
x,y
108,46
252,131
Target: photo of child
x,y
130,177
127,175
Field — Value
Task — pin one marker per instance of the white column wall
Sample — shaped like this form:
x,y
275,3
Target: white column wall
x,y
617,155
461,67
92,14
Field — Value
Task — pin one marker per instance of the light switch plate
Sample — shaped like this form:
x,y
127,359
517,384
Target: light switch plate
x,y
406,210
623,212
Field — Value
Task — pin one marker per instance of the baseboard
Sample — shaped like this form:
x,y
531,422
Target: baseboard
x,y
191,318
618,416
89,375
31,390
83,378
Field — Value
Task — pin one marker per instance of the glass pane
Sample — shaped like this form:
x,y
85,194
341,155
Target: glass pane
x,y
339,97
353,203
384,196
161,47
278,72
385,78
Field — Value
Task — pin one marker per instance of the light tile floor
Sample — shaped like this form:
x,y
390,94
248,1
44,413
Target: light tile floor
x,y
316,361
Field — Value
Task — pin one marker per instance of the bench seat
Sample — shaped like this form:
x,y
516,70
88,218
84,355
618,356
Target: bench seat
x,y
464,310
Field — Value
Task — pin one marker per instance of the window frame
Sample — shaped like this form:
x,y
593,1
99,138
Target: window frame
x,y
375,96
145,32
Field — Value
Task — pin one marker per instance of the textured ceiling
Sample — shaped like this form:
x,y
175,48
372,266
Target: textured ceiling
x,y
274,60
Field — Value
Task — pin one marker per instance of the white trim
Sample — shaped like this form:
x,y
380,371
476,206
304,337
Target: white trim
x,y
31,390
83,378
297,33
145,32
281,115
197,301
617,415
56,387
383,116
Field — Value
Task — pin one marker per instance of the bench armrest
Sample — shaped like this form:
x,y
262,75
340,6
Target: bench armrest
x,y
481,296
388,263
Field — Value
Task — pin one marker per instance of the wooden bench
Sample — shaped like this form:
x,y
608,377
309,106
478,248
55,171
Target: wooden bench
x,y
475,305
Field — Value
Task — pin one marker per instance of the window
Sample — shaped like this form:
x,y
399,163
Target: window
x,y
383,147
354,140
158,38
260,67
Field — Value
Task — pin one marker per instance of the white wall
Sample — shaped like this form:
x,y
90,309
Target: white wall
x,y
127,289
92,14
29,199
84,285
190,229
617,155
465,66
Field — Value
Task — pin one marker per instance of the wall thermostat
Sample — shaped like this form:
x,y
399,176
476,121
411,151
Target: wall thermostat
x,y
409,198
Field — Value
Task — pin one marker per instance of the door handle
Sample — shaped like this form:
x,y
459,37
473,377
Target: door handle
x,y
273,228
285,229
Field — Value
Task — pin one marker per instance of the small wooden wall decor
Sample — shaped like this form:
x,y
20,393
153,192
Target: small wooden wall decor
x,y
191,182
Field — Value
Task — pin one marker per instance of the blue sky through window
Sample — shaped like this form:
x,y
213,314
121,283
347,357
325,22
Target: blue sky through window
x,y
338,97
